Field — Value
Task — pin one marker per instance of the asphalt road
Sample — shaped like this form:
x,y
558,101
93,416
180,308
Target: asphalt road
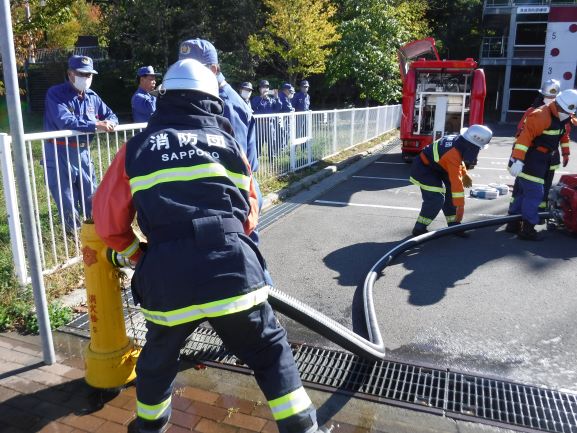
x,y
491,304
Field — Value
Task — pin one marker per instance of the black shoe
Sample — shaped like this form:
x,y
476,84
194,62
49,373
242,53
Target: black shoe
x,y
513,227
133,428
527,232
417,231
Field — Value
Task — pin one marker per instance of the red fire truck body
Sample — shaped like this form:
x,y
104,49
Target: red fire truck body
x,y
439,96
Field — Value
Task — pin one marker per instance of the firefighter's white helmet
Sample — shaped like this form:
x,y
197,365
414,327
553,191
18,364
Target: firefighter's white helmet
x,y
479,135
567,100
550,88
190,74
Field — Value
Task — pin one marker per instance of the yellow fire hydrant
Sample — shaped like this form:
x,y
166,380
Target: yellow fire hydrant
x,y
110,357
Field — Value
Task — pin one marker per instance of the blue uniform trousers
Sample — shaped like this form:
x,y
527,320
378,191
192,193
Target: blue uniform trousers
x,y
553,165
71,180
436,193
527,195
254,336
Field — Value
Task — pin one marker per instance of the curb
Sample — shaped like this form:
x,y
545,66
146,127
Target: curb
x,y
357,162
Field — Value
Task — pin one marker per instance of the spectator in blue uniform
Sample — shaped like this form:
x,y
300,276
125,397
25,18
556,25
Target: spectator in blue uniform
x,y
245,91
285,97
235,109
143,103
69,169
265,102
302,100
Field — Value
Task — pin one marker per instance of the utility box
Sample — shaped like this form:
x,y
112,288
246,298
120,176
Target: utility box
x,y
439,96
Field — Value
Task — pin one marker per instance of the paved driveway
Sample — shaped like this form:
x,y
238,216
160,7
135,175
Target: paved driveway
x,y
490,304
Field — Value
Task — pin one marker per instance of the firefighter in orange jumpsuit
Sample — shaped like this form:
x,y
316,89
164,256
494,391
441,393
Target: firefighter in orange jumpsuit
x,y
536,150
548,92
441,173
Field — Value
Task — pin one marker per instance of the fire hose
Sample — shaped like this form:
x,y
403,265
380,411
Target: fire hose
x,y
373,346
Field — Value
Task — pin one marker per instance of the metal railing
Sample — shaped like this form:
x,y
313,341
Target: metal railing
x,y
500,3
494,47
286,143
43,55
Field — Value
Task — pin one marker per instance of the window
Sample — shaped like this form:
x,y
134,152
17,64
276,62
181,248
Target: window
x,y
531,33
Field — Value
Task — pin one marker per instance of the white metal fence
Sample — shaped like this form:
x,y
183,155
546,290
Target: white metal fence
x,y
286,143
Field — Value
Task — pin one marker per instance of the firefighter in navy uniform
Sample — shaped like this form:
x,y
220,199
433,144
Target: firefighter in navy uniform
x,y
191,187
441,173
534,156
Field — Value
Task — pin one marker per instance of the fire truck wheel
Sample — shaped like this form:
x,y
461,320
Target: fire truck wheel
x,y
484,192
407,157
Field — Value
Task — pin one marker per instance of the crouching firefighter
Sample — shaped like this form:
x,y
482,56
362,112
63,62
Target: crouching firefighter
x,y
190,185
534,159
441,173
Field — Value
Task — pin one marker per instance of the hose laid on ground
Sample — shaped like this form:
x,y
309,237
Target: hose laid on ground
x,y
373,347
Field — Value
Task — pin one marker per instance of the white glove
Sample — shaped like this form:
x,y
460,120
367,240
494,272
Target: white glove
x,y
516,167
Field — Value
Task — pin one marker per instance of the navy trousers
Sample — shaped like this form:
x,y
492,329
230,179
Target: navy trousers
x,y
254,336
527,196
72,182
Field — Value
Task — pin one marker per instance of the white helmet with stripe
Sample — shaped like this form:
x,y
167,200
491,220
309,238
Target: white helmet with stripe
x,y
479,135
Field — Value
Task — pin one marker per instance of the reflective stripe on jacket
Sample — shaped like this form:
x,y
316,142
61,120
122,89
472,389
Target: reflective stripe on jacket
x,y
538,142
442,157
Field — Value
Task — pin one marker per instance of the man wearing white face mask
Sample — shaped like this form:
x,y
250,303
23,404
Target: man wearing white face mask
x,y
245,91
69,169
536,150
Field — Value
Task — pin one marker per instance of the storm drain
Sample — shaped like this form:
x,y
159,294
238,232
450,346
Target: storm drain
x,y
437,391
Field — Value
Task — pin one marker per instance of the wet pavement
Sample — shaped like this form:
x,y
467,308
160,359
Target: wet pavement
x,y
490,305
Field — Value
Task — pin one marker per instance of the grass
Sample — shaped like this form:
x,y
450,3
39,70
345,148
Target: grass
x,y
17,311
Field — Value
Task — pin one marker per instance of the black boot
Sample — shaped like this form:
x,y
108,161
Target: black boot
x,y
527,232
513,227
461,234
419,229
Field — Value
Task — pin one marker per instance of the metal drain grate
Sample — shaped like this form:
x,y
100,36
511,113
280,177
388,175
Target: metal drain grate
x,y
442,392
456,395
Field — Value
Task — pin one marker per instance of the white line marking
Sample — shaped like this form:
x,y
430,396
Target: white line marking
x,y
382,178
380,206
392,163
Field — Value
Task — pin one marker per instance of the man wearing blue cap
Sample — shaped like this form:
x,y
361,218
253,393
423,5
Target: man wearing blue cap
x,y
143,103
245,91
69,169
235,109
302,100
265,102
285,97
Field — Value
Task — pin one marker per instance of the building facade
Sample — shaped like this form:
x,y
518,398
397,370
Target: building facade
x,y
526,42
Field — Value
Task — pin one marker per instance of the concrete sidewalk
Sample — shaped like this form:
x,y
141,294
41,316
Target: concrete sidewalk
x,y
38,398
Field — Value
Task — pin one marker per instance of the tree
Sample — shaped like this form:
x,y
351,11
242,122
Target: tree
x,y
297,37
372,31
456,25
85,19
29,32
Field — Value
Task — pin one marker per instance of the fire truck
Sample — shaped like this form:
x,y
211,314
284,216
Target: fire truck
x,y
439,96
